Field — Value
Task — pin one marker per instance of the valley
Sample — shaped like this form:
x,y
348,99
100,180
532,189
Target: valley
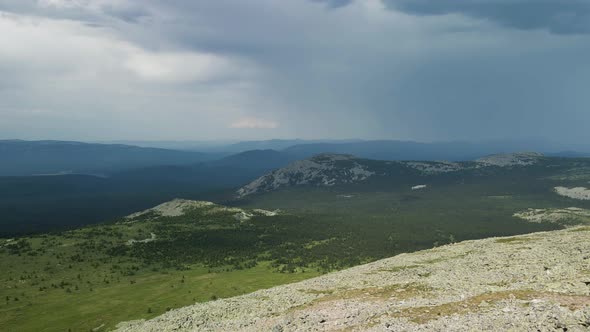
x,y
184,251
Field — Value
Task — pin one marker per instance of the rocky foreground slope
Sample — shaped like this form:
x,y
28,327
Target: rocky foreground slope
x,y
535,282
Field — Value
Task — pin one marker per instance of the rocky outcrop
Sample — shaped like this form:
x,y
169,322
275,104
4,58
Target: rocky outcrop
x,y
321,170
566,216
173,208
511,159
535,282
581,193
434,167
178,207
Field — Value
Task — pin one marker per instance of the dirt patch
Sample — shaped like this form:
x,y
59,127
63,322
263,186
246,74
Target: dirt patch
x,y
421,315
397,291
515,240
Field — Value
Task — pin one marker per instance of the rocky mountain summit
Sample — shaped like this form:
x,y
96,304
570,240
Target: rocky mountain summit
x,y
535,282
335,169
321,170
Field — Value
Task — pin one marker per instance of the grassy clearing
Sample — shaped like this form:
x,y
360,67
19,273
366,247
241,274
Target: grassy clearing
x,y
150,295
80,307
93,277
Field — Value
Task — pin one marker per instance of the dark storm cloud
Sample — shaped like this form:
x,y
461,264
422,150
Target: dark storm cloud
x,y
335,3
557,16
316,68
129,14
91,13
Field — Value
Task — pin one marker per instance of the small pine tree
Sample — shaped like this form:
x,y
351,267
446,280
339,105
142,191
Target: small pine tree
x,y
452,239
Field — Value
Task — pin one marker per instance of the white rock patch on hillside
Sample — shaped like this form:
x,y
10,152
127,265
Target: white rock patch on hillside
x,y
575,193
179,207
173,208
434,167
152,238
510,159
267,213
359,173
573,214
243,216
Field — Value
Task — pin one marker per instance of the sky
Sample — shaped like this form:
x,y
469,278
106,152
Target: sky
x,y
218,69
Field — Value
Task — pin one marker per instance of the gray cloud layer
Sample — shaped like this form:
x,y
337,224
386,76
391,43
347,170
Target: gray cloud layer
x,y
558,16
335,3
425,70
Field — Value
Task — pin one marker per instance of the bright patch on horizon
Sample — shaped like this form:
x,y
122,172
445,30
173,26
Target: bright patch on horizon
x,y
254,123
181,67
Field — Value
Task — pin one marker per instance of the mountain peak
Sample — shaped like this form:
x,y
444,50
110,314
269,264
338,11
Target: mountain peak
x,y
325,169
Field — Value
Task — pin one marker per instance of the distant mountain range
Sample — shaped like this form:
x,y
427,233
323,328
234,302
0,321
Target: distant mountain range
x,y
255,159
18,158
227,147
23,158
376,149
281,144
408,150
